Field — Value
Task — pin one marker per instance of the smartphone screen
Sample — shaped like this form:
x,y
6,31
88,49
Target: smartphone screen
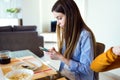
x,y
43,49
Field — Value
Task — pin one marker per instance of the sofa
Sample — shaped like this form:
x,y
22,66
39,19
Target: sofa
x,y
15,38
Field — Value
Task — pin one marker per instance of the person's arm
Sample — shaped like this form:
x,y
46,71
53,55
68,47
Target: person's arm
x,y
104,61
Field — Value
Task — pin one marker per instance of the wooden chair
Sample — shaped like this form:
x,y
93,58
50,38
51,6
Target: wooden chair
x,y
100,47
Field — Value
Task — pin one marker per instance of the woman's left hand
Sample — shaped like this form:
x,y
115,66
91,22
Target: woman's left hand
x,y
57,56
54,54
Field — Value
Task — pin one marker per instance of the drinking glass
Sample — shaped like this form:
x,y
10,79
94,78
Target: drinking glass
x,y
5,57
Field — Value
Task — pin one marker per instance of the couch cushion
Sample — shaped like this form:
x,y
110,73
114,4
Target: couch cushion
x,y
5,28
24,28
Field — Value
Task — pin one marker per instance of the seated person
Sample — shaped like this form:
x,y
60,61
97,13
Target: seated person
x,y
107,61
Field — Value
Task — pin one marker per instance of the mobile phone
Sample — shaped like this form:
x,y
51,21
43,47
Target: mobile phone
x,y
44,49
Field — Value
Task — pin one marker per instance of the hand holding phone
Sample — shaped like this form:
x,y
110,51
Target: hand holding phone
x,y
44,49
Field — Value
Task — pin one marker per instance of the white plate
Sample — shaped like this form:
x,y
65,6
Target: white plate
x,y
20,74
32,65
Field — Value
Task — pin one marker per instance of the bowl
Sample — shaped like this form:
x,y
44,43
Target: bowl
x,y
20,74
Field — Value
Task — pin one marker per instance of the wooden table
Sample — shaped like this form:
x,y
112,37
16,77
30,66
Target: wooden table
x,y
45,71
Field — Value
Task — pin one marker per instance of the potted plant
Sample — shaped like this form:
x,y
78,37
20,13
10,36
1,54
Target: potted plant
x,y
13,11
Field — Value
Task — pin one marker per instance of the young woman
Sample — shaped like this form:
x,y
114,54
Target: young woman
x,y
107,61
76,42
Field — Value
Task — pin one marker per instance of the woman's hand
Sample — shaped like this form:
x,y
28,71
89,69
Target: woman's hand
x,y
57,56
54,54
116,50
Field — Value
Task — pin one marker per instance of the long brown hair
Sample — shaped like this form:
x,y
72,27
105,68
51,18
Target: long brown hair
x,y
73,27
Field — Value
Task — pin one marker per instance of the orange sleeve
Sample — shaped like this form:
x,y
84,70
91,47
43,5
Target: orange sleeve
x,y
103,61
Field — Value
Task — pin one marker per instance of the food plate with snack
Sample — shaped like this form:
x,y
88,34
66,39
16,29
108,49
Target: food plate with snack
x,y
19,74
27,64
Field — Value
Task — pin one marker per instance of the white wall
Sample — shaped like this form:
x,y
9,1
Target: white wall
x,y
103,18
38,12
31,13
46,14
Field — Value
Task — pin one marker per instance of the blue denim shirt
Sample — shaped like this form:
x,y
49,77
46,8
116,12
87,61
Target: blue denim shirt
x,y
82,58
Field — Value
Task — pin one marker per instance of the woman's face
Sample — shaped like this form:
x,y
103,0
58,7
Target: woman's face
x,y
61,18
